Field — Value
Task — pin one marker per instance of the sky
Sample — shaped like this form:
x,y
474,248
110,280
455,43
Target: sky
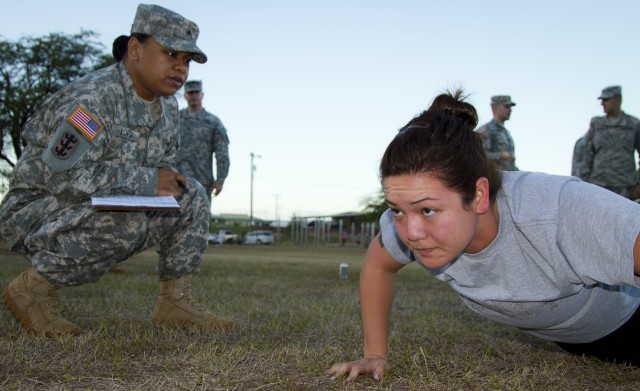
x,y
316,90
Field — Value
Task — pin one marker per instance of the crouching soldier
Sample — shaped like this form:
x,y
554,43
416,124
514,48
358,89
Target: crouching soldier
x,y
112,132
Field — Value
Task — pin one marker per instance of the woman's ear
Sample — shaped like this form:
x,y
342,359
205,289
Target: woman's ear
x,y
133,49
482,200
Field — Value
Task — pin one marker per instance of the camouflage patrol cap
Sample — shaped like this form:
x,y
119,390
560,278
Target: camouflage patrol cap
x,y
192,86
610,92
502,100
169,29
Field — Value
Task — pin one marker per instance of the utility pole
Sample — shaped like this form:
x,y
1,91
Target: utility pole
x,y
277,220
253,168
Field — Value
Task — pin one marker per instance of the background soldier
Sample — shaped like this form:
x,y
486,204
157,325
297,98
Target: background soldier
x,y
611,144
201,136
496,139
577,163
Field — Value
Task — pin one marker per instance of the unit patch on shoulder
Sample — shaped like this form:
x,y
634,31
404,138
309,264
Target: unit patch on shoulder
x,y
64,146
85,123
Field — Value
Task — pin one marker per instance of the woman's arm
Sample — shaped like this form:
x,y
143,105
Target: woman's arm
x,y
376,295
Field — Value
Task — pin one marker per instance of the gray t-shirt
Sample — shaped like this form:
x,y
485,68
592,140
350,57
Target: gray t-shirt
x,y
561,267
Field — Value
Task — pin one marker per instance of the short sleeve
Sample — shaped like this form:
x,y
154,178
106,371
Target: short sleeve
x,y
597,230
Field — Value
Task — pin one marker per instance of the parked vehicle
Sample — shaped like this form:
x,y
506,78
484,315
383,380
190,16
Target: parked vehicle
x,y
228,237
224,236
214,238
258,237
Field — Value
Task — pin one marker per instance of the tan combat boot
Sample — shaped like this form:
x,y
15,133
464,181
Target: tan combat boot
x,y
176,306
34,302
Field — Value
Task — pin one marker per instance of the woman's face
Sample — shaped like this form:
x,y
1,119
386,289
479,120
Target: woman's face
x,y
431,218
157,71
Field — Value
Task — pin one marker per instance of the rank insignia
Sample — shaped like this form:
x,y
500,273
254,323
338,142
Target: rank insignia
x,y
85,123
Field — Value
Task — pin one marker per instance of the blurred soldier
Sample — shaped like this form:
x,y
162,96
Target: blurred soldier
x,y
577,164
112,132
496,139
201,136
611,144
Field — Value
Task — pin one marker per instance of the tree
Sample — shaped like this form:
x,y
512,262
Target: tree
x,y
31,69
374,206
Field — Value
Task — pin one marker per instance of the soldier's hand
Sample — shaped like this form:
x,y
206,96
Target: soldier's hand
x,y
507,156
216,188
170,183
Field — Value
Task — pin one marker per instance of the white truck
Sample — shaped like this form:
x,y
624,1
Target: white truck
x,y
224,236
227,237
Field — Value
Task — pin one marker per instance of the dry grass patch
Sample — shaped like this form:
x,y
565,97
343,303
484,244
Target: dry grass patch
x,y
294,318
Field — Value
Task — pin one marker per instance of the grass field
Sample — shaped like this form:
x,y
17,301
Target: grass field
x,y
293,319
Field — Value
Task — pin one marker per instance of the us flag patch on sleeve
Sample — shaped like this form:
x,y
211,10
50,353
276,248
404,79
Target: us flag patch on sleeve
x,y
85,123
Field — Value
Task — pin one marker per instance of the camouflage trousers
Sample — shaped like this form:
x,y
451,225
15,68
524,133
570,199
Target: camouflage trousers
x,y
77,244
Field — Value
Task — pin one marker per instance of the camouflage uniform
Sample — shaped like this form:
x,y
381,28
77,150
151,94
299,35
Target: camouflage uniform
x,y
610,151
495,140
578,168
609,156
96,137
202,135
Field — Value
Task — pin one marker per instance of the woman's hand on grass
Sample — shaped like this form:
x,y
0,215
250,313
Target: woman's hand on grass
x,y
373,365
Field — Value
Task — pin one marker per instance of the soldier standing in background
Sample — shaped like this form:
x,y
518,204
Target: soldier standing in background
x,y
577,162
611,144
201,136
496,139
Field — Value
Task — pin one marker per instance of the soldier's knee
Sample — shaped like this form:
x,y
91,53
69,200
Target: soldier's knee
x,y
195,199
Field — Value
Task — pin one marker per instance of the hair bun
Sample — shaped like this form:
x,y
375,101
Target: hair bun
x,y
119,47
446,107
454,103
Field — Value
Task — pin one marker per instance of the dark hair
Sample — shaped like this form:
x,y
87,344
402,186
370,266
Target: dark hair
x,y
121,44
441,141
